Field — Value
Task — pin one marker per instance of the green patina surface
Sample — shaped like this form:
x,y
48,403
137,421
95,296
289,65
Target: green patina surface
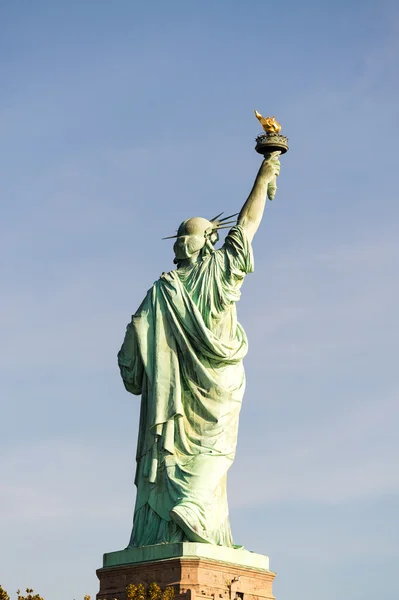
x,y
183,353
235,556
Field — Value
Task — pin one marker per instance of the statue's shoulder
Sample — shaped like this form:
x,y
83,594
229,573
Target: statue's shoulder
x,y
167,277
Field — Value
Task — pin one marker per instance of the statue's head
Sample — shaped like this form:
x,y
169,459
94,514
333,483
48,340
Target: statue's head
x,y
195,235
198,235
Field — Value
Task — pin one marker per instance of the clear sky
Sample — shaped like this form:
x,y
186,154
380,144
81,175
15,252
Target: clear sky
x,y
120,119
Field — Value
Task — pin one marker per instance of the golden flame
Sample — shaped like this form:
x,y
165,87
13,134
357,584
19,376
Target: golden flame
x,y
269,124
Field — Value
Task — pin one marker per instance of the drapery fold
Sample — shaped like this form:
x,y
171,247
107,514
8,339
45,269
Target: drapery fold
x,y
183,353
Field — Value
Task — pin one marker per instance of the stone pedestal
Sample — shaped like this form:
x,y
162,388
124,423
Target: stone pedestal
x,y
196,571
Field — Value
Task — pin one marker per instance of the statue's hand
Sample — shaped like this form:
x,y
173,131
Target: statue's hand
x,y
271,166
271,169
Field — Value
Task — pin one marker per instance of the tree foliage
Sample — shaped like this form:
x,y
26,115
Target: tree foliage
x,y
134,592
3,594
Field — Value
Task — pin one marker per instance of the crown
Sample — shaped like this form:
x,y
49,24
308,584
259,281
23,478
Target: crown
x,y
214,225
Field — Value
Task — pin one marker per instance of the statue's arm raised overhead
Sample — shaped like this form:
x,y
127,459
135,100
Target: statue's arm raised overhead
x,y
265,185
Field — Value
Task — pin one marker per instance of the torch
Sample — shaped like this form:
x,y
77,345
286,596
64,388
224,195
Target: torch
x,y
270,141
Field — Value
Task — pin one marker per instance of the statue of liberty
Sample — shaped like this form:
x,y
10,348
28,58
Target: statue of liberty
x,y
183,353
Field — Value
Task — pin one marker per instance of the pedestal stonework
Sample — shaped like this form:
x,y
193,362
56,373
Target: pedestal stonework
x,y
196,571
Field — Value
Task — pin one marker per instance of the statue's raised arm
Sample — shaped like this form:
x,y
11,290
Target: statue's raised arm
x,y
265,186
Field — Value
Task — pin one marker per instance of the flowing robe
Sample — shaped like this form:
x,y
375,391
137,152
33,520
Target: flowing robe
x,y
183,353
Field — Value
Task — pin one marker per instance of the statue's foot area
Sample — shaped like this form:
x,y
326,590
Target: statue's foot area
x,y
184,525
184,519
149,528
188,519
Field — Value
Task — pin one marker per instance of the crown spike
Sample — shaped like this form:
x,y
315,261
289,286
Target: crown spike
x,y
217,216
225,223
229,217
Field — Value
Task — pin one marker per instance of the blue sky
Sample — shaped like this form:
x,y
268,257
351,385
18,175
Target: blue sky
x,y
119,120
